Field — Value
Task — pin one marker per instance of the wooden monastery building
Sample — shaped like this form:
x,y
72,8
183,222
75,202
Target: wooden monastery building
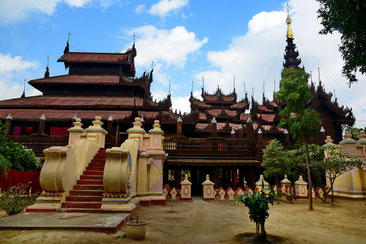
x,y
222,135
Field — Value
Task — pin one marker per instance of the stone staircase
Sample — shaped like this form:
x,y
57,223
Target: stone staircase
x,y
87,194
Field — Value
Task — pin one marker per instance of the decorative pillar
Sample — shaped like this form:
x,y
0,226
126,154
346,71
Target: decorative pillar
x,y
96,132
233,134
240,132
156,163
136,132
213,127
234,177
260,137
287,138
185,190
260,183
75,131
110,125
285,184
142,184
42,124
208,189
179,126
348,144
301,188
9,118
250,131
322,135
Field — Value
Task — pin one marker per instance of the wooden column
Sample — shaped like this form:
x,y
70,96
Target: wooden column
x,y
240,132
213,127
249,128
215,176
233,134
287,139
234,177
179,126
260,137
42,124
9,118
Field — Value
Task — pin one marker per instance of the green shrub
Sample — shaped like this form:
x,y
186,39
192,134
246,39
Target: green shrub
x,y
16,199
14,155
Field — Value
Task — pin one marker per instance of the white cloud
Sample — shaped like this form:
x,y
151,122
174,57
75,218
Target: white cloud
x,y
12,71
140,8
169,46
164,7
77,3
257,56
17,10
12,11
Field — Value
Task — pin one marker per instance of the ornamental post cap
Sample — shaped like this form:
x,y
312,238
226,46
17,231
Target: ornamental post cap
x,y
138,119
142,120
43,117
260,131
285,132
233,131
75,117
110,118
9,116
249,120
98,118
322,130
78,120
179,120
213,121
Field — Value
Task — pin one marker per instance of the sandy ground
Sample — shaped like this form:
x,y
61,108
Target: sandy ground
x,y
221,222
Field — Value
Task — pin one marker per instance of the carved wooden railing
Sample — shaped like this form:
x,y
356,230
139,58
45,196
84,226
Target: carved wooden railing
x,y
218,146
40,142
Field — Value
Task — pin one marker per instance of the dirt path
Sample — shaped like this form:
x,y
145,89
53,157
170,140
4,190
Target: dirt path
x,y
220,222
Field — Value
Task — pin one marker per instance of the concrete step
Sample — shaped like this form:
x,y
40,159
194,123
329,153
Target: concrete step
x,y
86,193
88,187
84,198
95,168
89,182
91,177
81,205
90,172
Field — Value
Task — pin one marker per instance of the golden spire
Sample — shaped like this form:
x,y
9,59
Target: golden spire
x,y
289,21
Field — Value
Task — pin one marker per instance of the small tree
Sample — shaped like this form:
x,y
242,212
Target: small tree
x,y
336,163
301,121
275,160
257,203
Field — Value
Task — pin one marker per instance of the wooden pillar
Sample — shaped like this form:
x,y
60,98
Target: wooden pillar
x,y
232,134
213,127
260,137
240,132
249,128
322,136
178,177
110,125
287,139
9,118
179,126
215,176
234,177
42,124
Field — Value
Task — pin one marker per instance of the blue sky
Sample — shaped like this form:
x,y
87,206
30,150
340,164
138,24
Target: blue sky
x,y
186,39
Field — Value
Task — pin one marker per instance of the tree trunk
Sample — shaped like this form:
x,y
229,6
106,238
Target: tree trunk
x,y
263,231
309,177
257,229
331,187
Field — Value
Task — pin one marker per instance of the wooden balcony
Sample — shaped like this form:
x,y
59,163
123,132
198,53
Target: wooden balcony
x,y
209,146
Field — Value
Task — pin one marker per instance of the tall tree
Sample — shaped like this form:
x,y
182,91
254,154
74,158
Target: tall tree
x,y
348,18
300,120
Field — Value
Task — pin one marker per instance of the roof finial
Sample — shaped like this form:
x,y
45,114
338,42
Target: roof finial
x,y
66,50
245,89
134,39
234,82
152,64
319,75
169,89
203,84
289,35
23,95
264,91
192,88
252,91
311,76
47,73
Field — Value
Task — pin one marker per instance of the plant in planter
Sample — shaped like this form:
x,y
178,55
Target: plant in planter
x,y
257,203
16,199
